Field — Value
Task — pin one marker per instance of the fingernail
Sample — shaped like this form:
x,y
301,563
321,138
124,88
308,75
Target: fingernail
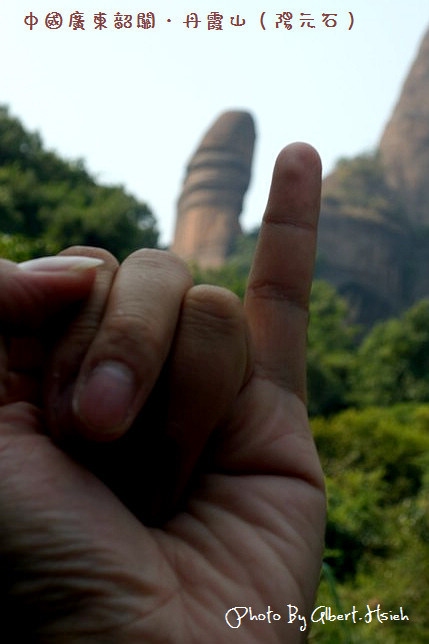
x,y
102,403
60,263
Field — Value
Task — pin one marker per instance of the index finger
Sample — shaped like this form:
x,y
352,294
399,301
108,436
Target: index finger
x,y
279,284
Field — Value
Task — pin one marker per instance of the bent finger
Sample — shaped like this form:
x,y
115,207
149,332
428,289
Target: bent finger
x,y
210,363
69,351
151,465
131,346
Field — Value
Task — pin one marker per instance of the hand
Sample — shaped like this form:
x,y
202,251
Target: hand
x,y
219,389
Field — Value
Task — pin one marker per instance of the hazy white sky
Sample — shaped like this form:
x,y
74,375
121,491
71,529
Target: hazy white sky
x,y
133,103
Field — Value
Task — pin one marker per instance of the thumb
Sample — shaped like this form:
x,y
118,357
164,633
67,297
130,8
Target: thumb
x,y
33,291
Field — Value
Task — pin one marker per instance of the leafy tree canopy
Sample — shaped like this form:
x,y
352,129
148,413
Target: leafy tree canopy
x,y
331,341
392,363
53,203
376,463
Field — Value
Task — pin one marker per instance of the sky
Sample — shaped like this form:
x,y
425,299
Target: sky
x,y
134,103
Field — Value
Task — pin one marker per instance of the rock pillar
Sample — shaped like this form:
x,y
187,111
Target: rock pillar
x,y
211,200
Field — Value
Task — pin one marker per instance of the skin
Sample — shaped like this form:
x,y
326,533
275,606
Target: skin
x,y
143,512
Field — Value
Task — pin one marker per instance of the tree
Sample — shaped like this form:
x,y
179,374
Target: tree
x,y
53,203
376,463
331,340
392,363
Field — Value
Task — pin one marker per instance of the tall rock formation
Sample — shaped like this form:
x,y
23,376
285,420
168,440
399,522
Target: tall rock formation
x,y
404,146
374,225
211,200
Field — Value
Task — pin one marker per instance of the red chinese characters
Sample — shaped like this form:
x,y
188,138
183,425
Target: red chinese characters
x,y
215,21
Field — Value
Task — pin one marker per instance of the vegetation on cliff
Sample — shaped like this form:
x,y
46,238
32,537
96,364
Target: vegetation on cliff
x,y
358,187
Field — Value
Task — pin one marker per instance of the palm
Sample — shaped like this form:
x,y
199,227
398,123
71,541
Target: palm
x,y
250,528
250,520
262,517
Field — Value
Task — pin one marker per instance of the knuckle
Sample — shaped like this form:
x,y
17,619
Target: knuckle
x,y
133,335
288,294
161,259
216,307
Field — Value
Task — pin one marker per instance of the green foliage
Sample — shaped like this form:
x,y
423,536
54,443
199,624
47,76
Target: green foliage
x,y
392,363
18,248
376,463
329,329
374,458
227,276
53,203
330,342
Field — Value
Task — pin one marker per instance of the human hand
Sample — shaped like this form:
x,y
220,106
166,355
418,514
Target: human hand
x,y
246,528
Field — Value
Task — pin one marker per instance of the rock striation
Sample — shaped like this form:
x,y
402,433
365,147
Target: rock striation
x,y
211,200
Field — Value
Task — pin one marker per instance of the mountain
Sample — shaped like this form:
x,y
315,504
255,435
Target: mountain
x,y
374,225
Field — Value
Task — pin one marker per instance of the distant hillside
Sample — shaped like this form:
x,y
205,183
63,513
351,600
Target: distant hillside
x,y
47,203
374,226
